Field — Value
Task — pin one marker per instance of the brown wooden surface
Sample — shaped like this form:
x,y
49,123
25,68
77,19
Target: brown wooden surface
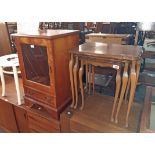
x,y
146,111
46,34
7,117
21,119
14,118
108,38
101,54
55,96
5,46
95,117
111,51
108,35
61,64
38,123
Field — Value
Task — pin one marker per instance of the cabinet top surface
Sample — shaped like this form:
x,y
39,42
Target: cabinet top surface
x,y
108,35
49,34
111,51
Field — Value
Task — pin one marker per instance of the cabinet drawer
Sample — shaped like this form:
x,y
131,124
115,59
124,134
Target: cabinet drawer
x,y
49,100
37,123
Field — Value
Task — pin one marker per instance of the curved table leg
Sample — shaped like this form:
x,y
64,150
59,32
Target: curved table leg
x,y
71,80
137,69
81,84
125,80
132,91
93,78
129,82
17,84
86,76
89,78
2,81
127,90
75,71
118,83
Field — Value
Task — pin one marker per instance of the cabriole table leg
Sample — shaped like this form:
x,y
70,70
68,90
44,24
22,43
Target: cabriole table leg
x,y
71,80
81,84
118,83
132,90
75,71
125,80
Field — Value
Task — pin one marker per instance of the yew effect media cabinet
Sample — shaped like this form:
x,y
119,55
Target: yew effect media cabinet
x,y
44,60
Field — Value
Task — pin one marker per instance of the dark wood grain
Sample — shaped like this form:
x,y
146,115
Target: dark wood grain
x,y
103,50
21,118
46,34
146,111
5,45
95,117
15,118
54,94
108,35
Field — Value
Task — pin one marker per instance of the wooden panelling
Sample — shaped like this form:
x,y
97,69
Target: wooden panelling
x,y
39,96
95,117
38,123
62,56
5,47
21,119
7,117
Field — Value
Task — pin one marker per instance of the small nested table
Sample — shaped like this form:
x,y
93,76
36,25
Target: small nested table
x,y
119,57
123,39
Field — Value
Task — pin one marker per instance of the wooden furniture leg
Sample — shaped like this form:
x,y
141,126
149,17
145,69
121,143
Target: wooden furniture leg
x,y
132,90
2,81
125,80
129,82
118,83
137,69
75,71
89,78
86,76
71,79
81,84
127,90
93,78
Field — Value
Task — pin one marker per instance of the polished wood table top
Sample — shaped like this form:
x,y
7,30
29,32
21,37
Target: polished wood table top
x,y
104,50
108,35
48,34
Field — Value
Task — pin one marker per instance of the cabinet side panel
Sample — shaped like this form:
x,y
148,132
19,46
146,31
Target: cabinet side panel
x,y
21,118
7,117
5,47
62,57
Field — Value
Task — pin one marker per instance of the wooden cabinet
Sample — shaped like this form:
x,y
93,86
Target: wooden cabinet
x,y
44,60
21,118
7,117
41,121
5,44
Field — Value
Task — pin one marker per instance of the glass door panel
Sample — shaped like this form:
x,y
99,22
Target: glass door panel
x,y
36,63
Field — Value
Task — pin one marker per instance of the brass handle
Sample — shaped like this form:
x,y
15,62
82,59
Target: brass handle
x,y
47,98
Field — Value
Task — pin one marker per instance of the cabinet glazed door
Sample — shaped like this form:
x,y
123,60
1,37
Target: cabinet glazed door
x,y
36,63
